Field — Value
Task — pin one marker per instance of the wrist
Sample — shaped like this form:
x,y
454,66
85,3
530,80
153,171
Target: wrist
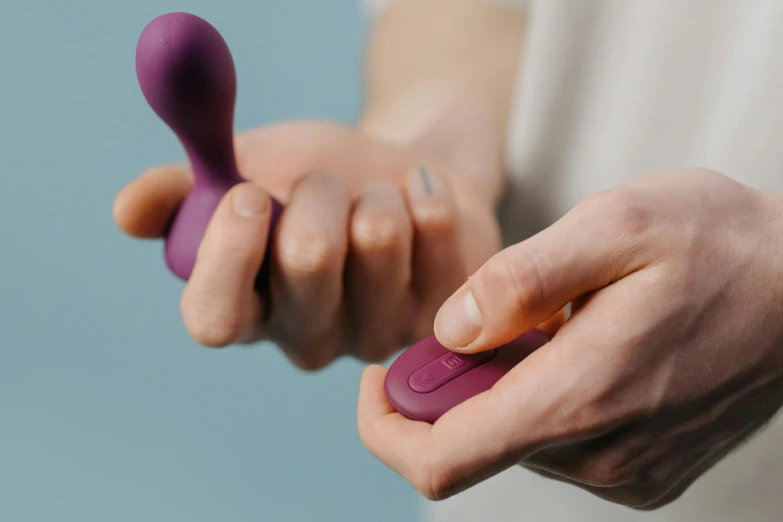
x,y
455,131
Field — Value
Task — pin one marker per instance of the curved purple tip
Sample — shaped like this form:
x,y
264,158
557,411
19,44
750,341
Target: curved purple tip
x,y
187,75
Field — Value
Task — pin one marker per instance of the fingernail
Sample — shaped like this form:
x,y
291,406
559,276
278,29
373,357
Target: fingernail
x,y
459,321
250,201
423,182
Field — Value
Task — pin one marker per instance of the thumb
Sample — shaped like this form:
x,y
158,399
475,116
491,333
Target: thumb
x,y
552,325
527,283
144,208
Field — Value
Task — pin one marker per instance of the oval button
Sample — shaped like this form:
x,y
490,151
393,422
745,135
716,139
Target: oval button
x,y
449,366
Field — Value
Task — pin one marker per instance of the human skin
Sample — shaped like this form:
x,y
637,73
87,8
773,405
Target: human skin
x,y
382,222
670,360
672,357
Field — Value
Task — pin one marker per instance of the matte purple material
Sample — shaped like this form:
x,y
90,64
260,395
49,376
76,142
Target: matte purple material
x,y
187,75
429,406
444,369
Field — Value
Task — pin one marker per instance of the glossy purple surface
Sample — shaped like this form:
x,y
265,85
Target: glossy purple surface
x,y
187,75
471,375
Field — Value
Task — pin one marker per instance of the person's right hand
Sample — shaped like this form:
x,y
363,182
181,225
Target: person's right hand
x,y
671,359
373,239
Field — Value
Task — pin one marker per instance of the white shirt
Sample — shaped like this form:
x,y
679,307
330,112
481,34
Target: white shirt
x,y
610,90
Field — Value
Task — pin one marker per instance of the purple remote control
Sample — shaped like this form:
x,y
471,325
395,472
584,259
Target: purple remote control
x,y
187,75
427,380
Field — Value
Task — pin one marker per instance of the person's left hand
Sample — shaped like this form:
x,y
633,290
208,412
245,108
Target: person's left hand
x,y
374,237
672,356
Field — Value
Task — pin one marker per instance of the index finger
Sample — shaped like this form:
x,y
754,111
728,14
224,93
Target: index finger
x,y
144,208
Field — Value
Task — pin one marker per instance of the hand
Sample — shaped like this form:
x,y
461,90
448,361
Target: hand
x,y
373,239
673,354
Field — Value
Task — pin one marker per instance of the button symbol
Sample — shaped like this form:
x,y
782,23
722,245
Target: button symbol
x,y
449,366
453,361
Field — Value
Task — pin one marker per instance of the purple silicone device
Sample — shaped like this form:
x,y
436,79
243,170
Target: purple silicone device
x,y
427,380
187,75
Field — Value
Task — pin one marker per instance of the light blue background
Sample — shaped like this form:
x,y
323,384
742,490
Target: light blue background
x,y
108,412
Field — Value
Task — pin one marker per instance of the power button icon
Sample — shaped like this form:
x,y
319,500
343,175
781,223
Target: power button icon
x,y
449,366
452,362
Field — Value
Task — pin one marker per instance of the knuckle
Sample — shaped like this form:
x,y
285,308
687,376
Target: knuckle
x,y
226,243
229,246
433,477
210,327
309,361
647,498
377,230
442,486
598,408
435,216
523,275
629,497
312,364
321,177
306,253
625,210
324,184
624,466
611,475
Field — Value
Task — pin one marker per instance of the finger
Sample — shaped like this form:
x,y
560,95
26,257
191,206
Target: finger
x,y
641,493
553,324
379,269
144,208
679,487
219,303
372,399
557,394
307,271
387,434
604,461
470,443
699,452
522,286
616,494
581,395
438,266
552,476
647,496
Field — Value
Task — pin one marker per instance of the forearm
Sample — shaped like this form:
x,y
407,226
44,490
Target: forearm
x,y
440,76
